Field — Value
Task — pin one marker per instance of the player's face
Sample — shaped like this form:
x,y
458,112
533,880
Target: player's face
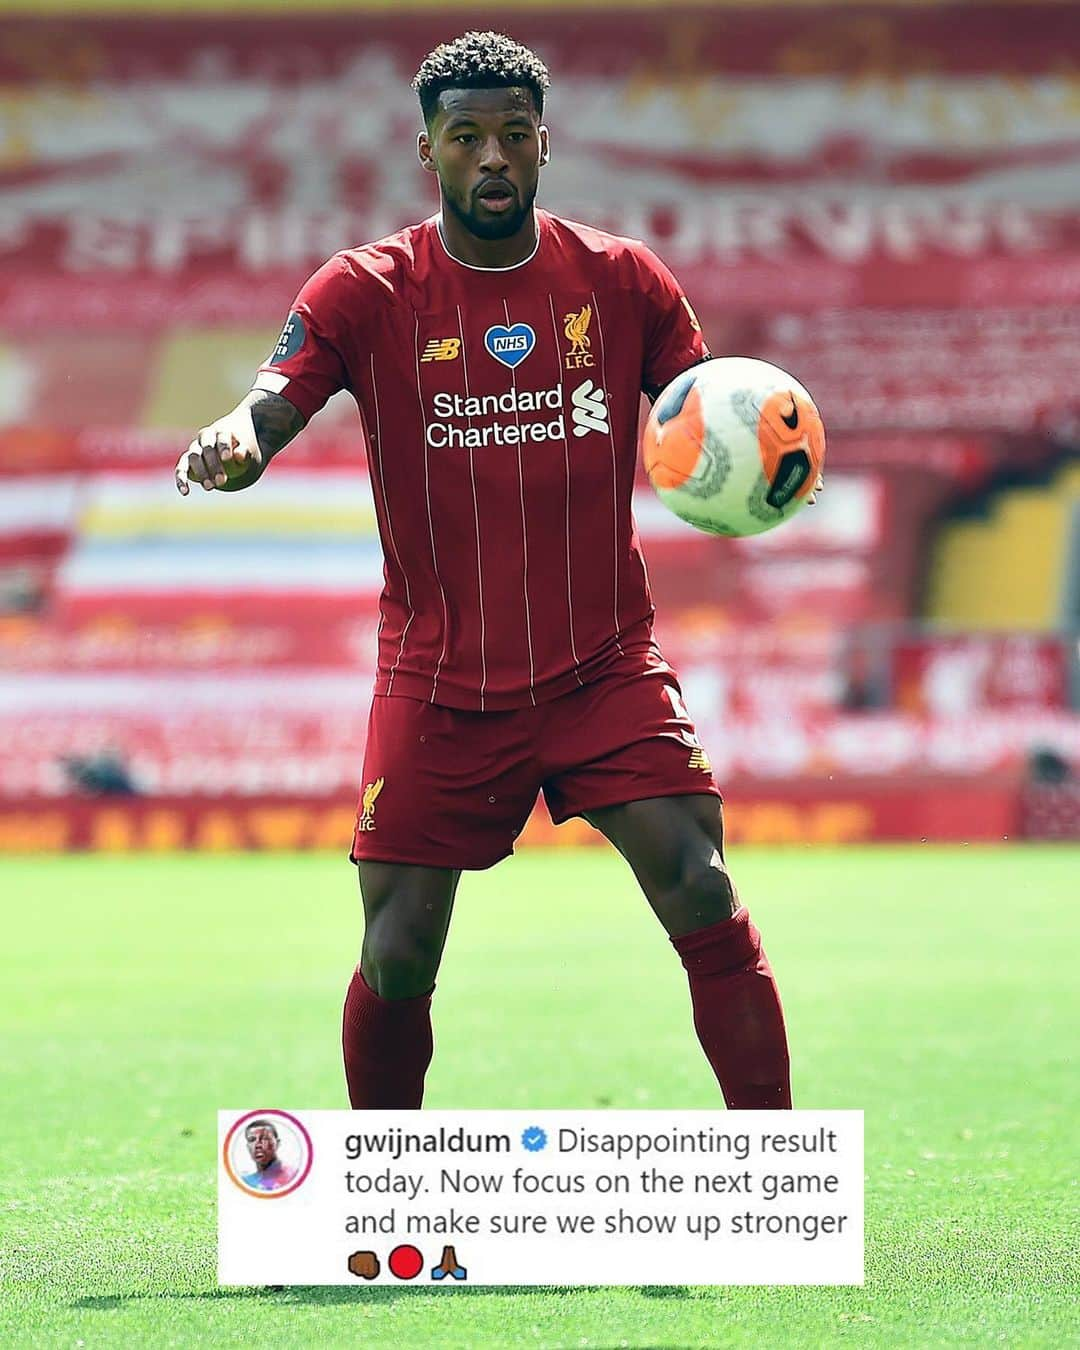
x,y
262,1146
487,146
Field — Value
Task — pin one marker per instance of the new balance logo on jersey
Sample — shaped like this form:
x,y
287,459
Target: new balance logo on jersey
x,y
699,760
589,410
442,349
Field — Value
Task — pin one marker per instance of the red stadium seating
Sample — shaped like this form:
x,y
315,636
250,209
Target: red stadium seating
x,y
891,242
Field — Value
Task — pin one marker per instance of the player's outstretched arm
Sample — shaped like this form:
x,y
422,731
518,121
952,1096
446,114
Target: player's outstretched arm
x,y
232,452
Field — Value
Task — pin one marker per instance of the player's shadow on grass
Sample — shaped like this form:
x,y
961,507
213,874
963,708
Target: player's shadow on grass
x,y
333,1294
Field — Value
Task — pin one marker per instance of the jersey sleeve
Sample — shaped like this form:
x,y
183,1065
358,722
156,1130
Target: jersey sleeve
x,y
673,337
307,365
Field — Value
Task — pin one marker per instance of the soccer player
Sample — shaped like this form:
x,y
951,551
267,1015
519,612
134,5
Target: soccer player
x,y
497,354
270,1174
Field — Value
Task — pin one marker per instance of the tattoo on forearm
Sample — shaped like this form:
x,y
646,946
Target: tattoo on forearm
x,y
276,422
275,419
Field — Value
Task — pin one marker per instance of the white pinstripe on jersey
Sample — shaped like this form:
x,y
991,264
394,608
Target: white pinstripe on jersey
x,y
389,531
566,458
476,519
524,533
614,473
427,495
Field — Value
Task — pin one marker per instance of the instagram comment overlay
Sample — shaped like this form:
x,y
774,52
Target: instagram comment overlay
x,y
450,1198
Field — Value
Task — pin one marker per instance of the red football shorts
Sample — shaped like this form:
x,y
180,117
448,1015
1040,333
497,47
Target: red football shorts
x,y
448,788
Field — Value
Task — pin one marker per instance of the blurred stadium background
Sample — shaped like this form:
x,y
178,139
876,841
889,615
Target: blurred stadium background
x,y
885,200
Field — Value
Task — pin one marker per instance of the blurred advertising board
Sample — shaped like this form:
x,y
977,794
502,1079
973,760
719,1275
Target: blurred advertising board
x,y
795,813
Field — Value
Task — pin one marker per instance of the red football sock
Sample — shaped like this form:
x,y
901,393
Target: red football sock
x,y
737,1013
388,1047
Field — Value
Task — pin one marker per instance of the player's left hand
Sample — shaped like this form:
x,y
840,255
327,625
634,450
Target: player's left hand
x,y
819,486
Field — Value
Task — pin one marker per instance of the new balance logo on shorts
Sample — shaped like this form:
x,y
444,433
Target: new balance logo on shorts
x,y
589,410
442,349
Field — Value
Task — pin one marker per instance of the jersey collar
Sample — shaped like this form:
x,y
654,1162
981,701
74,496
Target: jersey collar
x,y
436,221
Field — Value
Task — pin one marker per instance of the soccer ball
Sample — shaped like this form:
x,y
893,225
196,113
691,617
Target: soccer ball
x,y
734,446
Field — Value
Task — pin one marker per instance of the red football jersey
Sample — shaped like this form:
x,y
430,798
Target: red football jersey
x,y
501,410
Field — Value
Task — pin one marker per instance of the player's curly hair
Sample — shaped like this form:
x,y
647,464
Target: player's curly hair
x,y
479,61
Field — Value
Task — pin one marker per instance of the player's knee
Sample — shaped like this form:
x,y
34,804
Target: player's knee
x,y
704,893
398,964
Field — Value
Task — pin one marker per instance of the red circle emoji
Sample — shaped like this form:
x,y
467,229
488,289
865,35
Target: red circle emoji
x,y
406,1262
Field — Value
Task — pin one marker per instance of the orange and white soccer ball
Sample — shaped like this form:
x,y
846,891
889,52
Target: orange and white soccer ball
x,y
734,446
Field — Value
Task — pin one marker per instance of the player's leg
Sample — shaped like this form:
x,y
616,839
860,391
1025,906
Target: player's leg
x,y
626,756
675,847
406,918
442,791
386,1029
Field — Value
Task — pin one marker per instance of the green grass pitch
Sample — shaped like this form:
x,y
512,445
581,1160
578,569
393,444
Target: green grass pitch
x,y
934,988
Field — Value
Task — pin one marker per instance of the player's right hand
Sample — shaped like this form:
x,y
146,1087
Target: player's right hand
x,y
225,450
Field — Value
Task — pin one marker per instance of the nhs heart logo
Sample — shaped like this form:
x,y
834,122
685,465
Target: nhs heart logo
x,y
510,345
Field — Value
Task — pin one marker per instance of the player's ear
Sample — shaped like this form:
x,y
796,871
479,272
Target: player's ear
x,y
545,148
423,151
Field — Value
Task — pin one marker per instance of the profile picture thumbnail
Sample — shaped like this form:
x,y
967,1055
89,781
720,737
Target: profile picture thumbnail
x,y
268,1153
